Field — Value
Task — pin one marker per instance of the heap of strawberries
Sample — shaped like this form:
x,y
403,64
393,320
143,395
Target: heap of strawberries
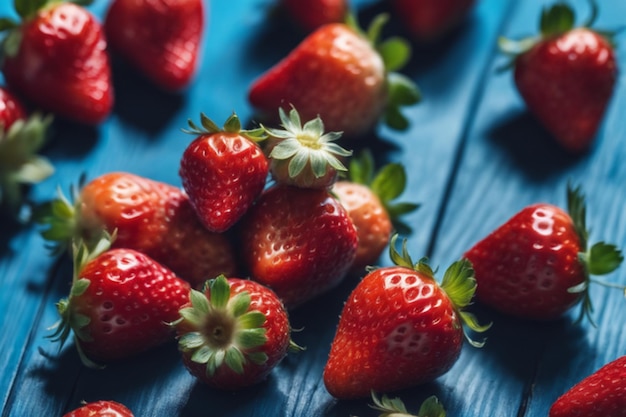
x,y
271,218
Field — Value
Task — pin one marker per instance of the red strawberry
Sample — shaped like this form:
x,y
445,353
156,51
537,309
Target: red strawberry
x,y
311,14
338,73
21,137
299,242
566,76
57,59
369,202
119,303
103,408
429,20
223,171
537,264
160,38
400,328
304,156
234,333
149,216
601,394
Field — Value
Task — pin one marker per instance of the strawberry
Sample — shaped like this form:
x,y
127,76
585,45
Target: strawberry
x,y
119,303
102,408
566,76
233,333
400,328
311,14
369,200
21,137
56,58
304,156
223,171
160,38
298,241
429,20
601,394
537,265
149,216
344,76
394,407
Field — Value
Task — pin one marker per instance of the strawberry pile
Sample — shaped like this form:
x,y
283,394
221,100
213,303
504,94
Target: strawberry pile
x,y
274,217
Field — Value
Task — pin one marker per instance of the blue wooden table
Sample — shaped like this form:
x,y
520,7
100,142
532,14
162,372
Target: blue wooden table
x,y
474,157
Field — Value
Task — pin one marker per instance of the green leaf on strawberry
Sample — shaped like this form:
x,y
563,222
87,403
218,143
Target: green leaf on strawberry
x,y
231,125
394,407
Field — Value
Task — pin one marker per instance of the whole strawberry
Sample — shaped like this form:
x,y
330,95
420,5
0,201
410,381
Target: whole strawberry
x,y
223,171
119,304
21,138
311,14
369,199
537,265
56,58
342,75
400,328
102,408
233,333
304,156
601,394
298,241
566,76
160,38
429,20
149,216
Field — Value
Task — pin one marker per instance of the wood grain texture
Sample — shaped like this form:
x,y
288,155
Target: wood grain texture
x,y
474,157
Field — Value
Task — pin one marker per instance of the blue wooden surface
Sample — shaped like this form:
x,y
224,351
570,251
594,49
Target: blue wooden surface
x,y
474,157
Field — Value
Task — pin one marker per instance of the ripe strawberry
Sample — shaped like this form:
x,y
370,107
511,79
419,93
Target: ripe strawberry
x,y
601,394
566,76
309,15
149,216
223,171
119,303
400,328
56,58
21,137
233,333
429,20
160,38
304,156
369,201
537,264
300,242
342,75
103,408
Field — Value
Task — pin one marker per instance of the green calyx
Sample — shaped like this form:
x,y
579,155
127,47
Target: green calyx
x,y
394,407
599,259
231,125
224,330
69,321
388,183
458,283
306,148
19,162
395,53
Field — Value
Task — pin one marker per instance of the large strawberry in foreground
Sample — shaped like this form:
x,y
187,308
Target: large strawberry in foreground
x,y
57,59
300,242
601,394
149,216
342,75
566,76
119,304
223,171
537,265
400,328
160,38
233,333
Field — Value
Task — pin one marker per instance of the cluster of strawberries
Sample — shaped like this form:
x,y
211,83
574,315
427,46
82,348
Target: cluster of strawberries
x,y
282,206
